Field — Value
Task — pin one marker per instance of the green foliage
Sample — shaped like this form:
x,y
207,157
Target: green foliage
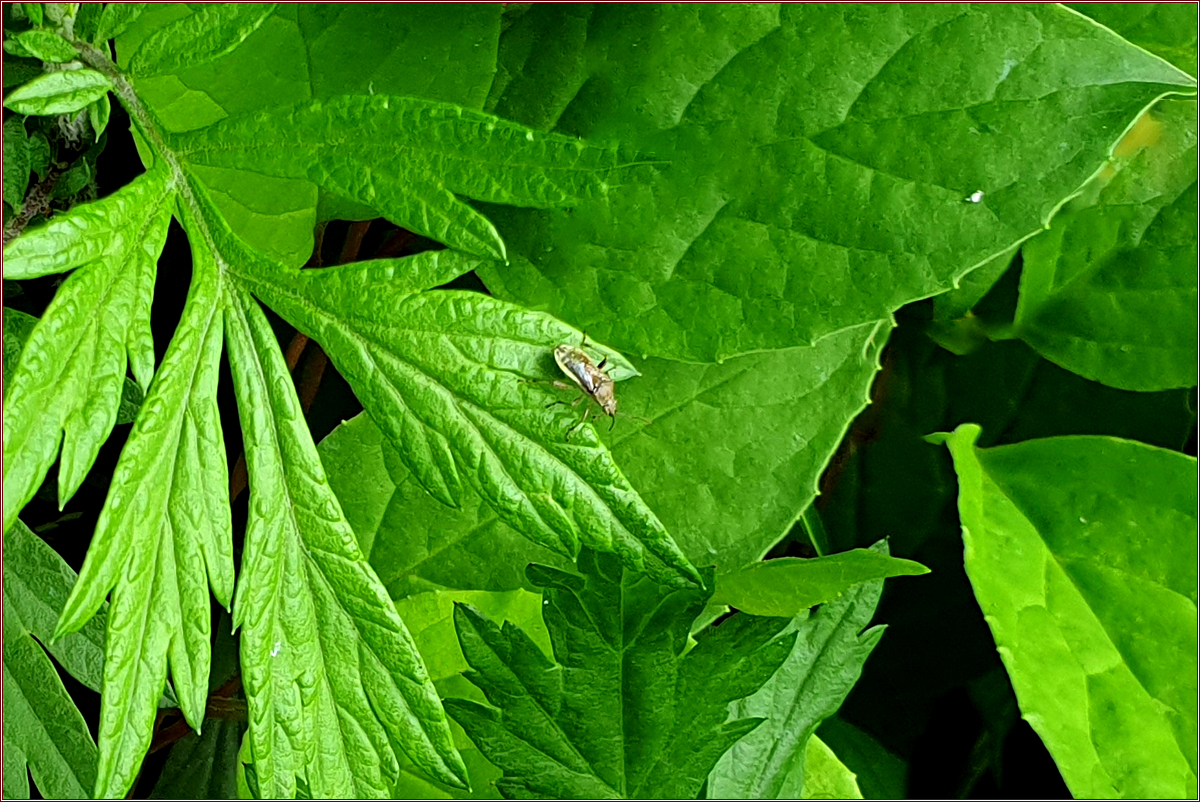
x,y
740,197
1082,553
621,711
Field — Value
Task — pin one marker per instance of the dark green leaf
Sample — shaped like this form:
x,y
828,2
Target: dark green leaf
x,y
17,161
98,114
58,93
1166,29
621,711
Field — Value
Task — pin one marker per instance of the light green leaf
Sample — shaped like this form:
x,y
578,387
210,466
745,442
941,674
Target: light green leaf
x,y
315,617
58,93
98,114
67,387
788,585
813,163
164,536
47,46
115,18
1165,29
1109,292
212,31
41,720
34,12
1082,554
622,711
769,763
15,772
410,160
447,376
17,161
826,777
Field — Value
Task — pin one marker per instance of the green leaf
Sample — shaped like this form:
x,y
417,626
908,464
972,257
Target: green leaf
x,y
98,114
115,18
39,154
17,327
58,93
1165,29
621,711
212,31
879,773
826,777
303,574
1109,292
87,18
162,539
769,763
813,164
40,719
16,161
446,375
787,585
34,12
47,46
15,772
410,160
1082,554
67,387
412,540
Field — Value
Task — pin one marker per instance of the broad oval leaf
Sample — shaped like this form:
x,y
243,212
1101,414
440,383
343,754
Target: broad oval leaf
x,y
1082,554
212,31
47,45
58,93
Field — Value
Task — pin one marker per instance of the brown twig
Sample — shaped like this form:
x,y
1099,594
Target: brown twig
x,y
36,202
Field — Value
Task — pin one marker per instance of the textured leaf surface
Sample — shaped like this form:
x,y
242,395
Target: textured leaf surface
x,y
814,158
823,666
1165,29
447,376
410,161
41,721
16,161
1082,553
1109,292
335,684
214,30
68,385
58,93
787,585
115,18
163,537
826,777
719,426
620,711
47,45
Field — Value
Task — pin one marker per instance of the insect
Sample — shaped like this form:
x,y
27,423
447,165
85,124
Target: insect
x,y
588,377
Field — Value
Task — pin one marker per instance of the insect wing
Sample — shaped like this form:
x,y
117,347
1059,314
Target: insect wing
x,y
578,366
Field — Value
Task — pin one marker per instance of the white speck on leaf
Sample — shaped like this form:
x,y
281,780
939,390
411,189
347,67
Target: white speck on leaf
x,y
275,651
975,197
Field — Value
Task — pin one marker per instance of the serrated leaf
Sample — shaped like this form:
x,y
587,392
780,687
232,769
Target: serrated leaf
x,y
58,93
47,46
410,159
446,375
17,161
819,160
786,586
67,386
1109,292
831,648
162,539
320,638
204,36
40,719
621,711
1082,554
115,18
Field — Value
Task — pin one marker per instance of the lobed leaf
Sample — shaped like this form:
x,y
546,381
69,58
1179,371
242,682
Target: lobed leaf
x,y
409,159
204,36
446,376
831,647
815,161
67,386
164,537
58,93
621,711
1082,554
335,685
